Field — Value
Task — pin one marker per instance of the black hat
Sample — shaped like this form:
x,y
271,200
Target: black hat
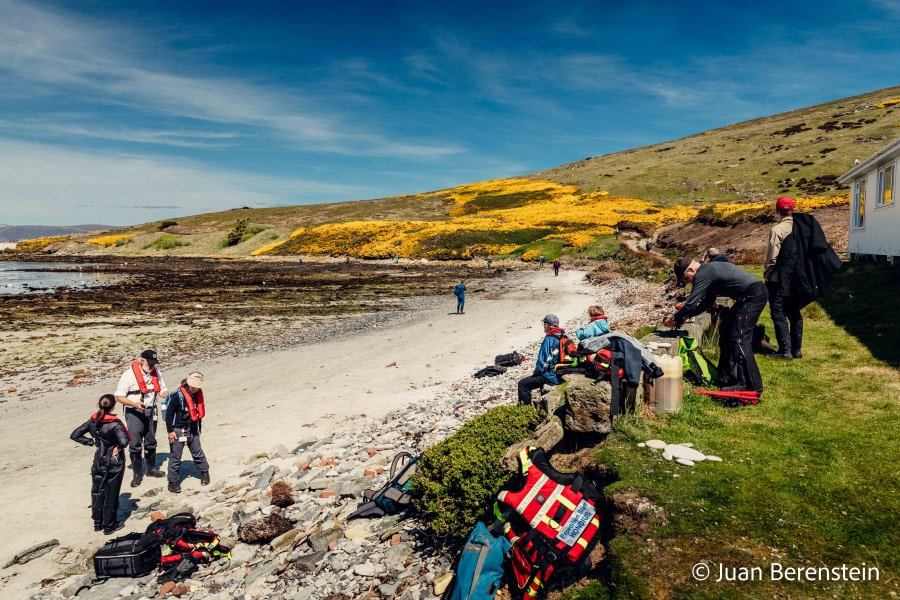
x,y
150,356
681,266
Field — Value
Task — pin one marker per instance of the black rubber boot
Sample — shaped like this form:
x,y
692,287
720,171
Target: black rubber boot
x,y
137,465
152,471
175,488
204,478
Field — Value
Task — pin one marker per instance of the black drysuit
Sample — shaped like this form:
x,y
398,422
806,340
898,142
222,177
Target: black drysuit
x,y
107,470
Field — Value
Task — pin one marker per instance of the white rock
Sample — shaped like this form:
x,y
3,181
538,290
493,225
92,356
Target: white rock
x,y
712,458
682,452
367,569
685,462
656,444
642,445
686,444
667,456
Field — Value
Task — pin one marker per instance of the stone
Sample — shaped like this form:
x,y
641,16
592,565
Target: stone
x,y
261,571
388,589
32,553
712,458
642,445
278,451
441,583
367,569
587,407
547,436
180,590
264,478
685,462
326,494
396,556
305,593
686,444
304,444
128,590
284,540
74,583
656,444
683,452
308,562
667,456
319,539
242,553
214,513
237,487
552,401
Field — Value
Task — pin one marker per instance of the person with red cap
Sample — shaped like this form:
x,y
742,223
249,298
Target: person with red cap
x,y
790,338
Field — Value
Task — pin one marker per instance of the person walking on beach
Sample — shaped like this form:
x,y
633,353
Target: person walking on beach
x,y
617,233
543,260
556,268
108,435
185,410
714,279
460,292
547,359
783,309
140,388
598,325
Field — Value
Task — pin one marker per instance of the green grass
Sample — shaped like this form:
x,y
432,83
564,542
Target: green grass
x,y
810,477
166,241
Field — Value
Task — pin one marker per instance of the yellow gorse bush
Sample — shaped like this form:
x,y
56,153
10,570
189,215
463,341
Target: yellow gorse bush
x,y
109,240
38,244
887,103
496,217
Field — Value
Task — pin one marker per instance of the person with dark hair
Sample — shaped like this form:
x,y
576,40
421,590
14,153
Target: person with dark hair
x,y
460,292
109,436
185,410
140,389
783,309
556,265
714,279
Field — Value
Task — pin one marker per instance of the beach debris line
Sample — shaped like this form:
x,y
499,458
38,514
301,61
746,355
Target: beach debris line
x,y
682,453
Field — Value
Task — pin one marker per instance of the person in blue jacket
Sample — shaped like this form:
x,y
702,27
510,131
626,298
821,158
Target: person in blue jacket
x,y
598,325
460,292
547,359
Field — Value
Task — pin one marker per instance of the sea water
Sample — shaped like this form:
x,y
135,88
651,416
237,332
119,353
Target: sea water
x,y
41,278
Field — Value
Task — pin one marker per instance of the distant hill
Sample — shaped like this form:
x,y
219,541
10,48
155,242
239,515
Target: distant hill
x,y
798,153
15,233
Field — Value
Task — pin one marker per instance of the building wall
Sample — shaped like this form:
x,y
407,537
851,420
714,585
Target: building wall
x,y
880,234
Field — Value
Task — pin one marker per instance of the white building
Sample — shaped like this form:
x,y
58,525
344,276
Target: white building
x,y
874,214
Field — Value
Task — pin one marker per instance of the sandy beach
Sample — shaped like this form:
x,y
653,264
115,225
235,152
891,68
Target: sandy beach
x,y
256,402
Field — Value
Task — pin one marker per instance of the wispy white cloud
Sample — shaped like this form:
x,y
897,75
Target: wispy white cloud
x,y
177,138
50,51
45,184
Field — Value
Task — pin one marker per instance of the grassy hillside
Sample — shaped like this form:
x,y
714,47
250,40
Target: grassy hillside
x,y
795,153
565,209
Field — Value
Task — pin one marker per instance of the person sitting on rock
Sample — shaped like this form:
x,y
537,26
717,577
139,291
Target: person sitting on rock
x,y
184,415
598,324
547,359
108,435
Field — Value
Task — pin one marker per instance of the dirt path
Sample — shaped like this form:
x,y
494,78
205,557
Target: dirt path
x,y
259,401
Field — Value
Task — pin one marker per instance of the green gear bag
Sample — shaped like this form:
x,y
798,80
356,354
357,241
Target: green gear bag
x,y
697,368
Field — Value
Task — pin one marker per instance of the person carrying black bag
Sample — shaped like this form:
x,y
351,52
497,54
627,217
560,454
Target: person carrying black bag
x,y
109,436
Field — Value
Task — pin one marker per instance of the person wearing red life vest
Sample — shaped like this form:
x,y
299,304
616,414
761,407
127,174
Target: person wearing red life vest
x,y
185,410
140,389
108,435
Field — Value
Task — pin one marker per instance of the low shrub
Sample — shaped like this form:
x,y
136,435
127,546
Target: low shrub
x,y
166,241
459,478
236,234
167,224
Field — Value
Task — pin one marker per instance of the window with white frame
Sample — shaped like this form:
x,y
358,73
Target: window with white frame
x,y
885,195
859,203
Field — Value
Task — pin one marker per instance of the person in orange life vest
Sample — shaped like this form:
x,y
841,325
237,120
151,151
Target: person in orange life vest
x,y
108,435
140,388
598,324
185,410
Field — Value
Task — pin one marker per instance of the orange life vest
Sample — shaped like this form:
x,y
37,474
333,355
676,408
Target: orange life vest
x,y
195,410
561,511
139,375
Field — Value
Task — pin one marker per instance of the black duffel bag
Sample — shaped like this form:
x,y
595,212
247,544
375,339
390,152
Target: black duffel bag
x,y
509,360
132,555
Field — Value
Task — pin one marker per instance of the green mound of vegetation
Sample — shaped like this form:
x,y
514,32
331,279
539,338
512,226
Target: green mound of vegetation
x,y
166,241
485,202
459,478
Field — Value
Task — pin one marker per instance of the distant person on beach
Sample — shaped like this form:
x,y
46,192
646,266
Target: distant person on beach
x,y
648,245
556,268
140,389
460,292
108,435
547,359
617,233
714,279
543,260
184,419
598,324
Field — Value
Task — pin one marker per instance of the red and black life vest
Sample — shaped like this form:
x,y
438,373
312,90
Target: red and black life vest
x,y
556,520
567,348
139,375
196,409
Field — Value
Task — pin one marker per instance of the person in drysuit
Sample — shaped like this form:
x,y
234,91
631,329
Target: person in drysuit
x,y
109,436
185,410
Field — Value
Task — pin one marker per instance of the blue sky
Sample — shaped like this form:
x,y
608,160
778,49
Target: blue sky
x,y
129,112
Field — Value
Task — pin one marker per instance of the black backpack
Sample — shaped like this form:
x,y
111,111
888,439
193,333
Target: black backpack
x,y
509,360
394,495
132,555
